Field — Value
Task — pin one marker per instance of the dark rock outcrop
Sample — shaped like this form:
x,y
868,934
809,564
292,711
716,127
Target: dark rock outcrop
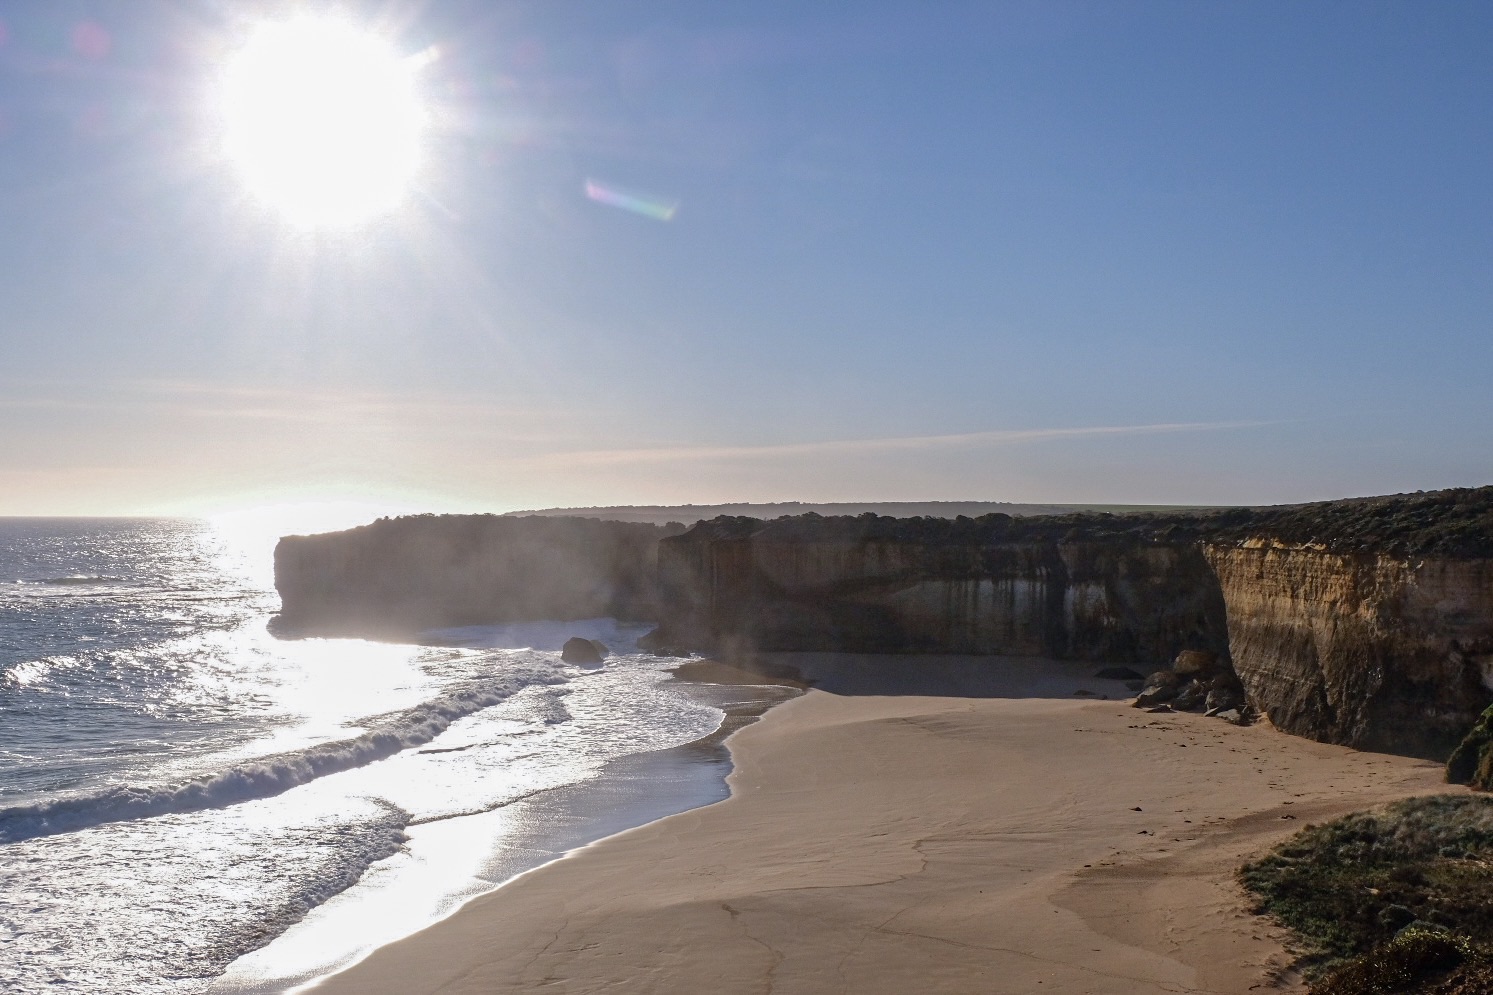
x,y
399,576
1225,692
1200,664
1197,680
1191,697
578,649
1159,688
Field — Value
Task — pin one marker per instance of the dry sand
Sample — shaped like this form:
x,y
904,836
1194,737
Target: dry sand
x,y
907,843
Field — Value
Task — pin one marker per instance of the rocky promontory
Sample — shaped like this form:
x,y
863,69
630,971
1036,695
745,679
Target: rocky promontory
x,y
399,576
1364,622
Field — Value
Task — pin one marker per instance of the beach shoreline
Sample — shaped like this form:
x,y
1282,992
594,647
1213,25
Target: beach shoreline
x,y
1015,833
471,855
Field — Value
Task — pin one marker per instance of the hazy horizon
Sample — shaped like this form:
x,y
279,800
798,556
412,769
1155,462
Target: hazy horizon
x,y
654,253
255,527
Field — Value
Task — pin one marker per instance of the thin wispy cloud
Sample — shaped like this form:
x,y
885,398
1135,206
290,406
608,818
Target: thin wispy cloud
x,y
330,407
917,443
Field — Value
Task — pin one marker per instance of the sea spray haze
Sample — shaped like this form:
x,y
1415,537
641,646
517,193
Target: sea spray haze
x,y
177,786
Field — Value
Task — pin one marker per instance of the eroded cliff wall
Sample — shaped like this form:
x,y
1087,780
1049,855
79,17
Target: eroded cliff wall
x,y
399,576
1363,649
1366,622
870,587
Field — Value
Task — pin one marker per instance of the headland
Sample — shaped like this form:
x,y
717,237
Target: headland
x,y
959,803
1365,622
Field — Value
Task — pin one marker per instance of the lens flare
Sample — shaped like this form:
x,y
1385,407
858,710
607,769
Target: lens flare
x,y
638,203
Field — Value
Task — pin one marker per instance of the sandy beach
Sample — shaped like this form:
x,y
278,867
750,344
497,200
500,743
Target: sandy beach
x,y
925,825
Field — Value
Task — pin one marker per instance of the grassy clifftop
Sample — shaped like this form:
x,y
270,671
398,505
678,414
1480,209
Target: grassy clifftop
x,y
1457,524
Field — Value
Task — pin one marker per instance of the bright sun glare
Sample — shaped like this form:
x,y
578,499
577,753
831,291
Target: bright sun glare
x,y
323,120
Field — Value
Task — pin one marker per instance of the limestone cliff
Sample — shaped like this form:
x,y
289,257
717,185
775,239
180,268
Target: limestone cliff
x,y
983,586
1366,622
1365,649
399,576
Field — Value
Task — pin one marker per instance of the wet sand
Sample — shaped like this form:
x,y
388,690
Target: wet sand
x,y
925,825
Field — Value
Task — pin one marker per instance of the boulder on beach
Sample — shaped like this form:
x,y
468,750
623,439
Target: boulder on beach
x,y
578,649
1225,693
1160,687
1217,691
1196,663
1191,696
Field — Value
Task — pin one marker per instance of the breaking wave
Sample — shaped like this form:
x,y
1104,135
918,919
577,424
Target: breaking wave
x,y
17,675
71,581
268,776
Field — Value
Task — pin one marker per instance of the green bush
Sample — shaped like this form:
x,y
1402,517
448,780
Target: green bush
x,y
1472,761
1417,960
1348,887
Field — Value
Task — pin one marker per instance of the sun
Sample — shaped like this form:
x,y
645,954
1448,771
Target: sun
x,y
323,121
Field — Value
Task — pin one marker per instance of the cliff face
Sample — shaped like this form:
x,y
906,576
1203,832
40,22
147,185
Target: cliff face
x,y
1366,622
398,576
1363,649
1377,648
775,588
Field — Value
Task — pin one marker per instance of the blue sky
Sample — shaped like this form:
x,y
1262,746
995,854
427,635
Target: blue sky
x,y
1087,252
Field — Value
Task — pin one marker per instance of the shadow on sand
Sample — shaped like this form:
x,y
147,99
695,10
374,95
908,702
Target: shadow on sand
x,y
854,674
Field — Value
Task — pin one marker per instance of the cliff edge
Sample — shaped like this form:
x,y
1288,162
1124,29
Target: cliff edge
x,y
1364,622
399,576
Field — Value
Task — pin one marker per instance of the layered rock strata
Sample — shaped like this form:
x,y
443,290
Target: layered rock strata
x,y
1366,622
975,587
1374,651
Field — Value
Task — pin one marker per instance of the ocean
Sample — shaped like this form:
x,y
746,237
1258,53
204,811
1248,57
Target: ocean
x,y
188,803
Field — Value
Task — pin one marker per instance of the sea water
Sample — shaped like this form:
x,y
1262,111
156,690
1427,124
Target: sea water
x,y
178,788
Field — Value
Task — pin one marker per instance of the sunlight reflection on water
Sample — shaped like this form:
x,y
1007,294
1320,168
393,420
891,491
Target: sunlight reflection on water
x,y
219,783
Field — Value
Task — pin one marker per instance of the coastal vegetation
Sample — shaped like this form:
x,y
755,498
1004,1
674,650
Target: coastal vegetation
x,y
1388,901
1471,763
1456,523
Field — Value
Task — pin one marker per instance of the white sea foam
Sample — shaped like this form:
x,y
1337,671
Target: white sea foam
x,y
25,672
268,776
182,787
